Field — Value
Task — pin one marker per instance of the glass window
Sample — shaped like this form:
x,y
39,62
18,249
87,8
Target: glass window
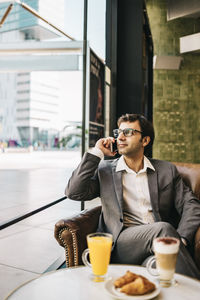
x,y
96,26
40,124
74,18
40,107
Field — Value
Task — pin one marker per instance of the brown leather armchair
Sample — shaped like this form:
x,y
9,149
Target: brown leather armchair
x,y
71,233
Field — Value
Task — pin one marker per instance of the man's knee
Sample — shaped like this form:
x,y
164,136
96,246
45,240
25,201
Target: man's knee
x,y
166,229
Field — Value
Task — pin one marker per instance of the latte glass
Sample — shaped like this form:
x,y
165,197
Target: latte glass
x,y
166,251
99,249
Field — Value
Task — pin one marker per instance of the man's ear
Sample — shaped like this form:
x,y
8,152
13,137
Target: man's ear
x,y
146,140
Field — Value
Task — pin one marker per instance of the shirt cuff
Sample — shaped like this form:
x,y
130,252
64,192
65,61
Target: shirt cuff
x,y
97,152
184,241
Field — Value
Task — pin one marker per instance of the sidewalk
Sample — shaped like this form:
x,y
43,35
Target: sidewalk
x,y
29,181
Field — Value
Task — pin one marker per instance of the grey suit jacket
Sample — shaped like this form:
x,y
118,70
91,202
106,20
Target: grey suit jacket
x,y
172,201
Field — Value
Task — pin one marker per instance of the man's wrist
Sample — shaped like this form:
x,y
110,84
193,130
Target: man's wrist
x,y
97,152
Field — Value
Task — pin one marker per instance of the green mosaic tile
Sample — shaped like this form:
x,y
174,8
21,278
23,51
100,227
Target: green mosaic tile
x,y
176,98
177,92
162,77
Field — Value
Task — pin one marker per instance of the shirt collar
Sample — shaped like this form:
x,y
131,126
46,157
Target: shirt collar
x,y
122,166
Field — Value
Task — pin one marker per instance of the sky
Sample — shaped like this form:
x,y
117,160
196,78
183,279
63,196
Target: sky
x,y
96,22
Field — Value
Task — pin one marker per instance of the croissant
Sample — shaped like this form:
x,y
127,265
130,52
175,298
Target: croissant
x,y
139,286
128,277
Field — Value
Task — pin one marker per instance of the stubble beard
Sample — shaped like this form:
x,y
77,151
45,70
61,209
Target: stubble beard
x,y
130,152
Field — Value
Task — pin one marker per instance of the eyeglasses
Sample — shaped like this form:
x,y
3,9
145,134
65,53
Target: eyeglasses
x,y
126,132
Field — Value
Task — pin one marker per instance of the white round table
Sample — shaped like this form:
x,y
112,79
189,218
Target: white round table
x,y
74,283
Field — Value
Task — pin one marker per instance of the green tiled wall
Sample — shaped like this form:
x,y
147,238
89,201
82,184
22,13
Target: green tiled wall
x,y
176,93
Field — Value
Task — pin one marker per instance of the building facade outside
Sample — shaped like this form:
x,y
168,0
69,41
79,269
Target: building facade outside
x,y
30,102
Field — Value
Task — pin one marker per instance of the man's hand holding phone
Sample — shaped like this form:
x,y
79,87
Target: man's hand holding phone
x,y
106,146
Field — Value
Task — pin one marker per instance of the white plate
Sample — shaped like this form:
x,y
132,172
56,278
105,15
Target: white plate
x,y
112,291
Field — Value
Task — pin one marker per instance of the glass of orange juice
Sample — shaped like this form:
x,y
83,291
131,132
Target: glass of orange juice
x,y
99,249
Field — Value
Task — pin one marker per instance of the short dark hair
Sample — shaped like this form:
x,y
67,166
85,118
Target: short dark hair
x,y
145,125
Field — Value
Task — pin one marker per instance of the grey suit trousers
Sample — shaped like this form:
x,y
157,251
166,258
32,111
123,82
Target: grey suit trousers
x,y
134,246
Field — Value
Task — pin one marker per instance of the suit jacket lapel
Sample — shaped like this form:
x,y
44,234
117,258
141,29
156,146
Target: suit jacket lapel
x,y
153,190
117,179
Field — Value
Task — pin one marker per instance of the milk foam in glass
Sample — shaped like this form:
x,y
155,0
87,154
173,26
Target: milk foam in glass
x,y
166,251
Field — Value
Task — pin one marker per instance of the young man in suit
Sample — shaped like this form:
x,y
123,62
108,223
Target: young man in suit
x,y
142,198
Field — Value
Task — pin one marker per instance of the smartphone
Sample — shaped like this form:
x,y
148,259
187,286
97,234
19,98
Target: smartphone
x,y
113,146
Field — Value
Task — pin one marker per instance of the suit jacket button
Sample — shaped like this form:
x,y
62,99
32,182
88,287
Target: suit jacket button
x,y
121,220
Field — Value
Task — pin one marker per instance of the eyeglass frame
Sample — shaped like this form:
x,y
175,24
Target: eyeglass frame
x,y
123,131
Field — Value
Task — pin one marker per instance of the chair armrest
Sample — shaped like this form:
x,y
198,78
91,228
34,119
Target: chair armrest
x,y
71,234
197,248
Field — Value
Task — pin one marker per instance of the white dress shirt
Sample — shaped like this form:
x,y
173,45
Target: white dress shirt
x,y
137,209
